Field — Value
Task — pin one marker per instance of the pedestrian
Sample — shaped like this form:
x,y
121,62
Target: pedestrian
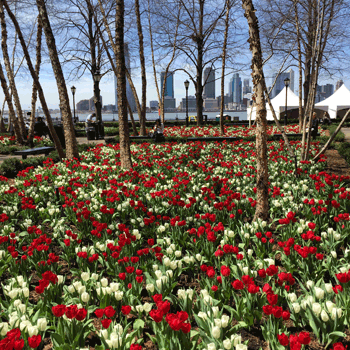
x,y
314,125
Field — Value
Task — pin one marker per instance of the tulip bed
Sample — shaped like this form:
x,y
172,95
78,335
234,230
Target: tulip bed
x,y
232,131
166,255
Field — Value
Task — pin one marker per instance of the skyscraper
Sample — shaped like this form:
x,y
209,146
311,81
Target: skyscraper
x,y
209,81
169,86
129,93
339,84
279,86
235,88
246,88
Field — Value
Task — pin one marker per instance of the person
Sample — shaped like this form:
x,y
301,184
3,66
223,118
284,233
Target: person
x,y
40,128
93,123
90,118
314,125
326,119
157,131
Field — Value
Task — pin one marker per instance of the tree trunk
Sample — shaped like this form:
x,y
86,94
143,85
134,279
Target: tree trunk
x,y
36,81
124,141
222,104
12,115
325,147
199,84
34,89
10,75
132,120
262,205
69,135
2,124
297,26
143,69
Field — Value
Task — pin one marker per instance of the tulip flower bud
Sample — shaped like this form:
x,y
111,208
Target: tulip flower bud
x,y
328,287
202,315
292,297
118,295
198,257
324,316
104,333
17,302
25,292
178,253
42,324
319,292
324,234
334,254
159,284
227,344
85,276
224,321
104,282
59,279
147,307
4,328
85,297
310,284
211,346
296,307
150,287
216,332
71,289
330,306
316,308
94,276
33,330
215,310
217,322
241,347
173,265
139,308
22,308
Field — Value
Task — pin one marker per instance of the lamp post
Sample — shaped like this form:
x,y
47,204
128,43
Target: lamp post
x,y
286,83
73,89
187,84
97,79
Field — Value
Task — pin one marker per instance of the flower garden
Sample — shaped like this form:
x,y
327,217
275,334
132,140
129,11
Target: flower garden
x,y
166,255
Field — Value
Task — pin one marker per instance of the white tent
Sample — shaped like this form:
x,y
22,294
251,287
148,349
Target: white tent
x,y
339,100
279,104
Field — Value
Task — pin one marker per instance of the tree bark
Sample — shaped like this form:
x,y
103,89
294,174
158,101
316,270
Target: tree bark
x,y
124,141
10,75
36,80
12,114
69,135
132,120
143,69
262,205
34,89
222,104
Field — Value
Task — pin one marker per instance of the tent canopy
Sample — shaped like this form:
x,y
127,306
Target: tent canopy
x,y
339,100
278,103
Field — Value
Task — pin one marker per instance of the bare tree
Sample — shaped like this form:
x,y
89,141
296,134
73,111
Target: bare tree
x,y
262,206
35,78
71,141
37,71
125,154
10,76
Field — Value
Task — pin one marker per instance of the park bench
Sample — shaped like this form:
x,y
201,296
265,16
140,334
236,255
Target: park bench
x,y
139,137
40,150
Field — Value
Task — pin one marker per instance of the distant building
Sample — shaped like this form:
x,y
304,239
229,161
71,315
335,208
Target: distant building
x,y
246,88
83,105
211,104
323,92
169,85
328,89
339,84
227,100
109,108
153,105
92,103
235,88
129,94
209,81
279,86
169,104
192,104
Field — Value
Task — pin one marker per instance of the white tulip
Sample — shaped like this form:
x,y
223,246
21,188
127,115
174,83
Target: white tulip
x,y
296,307
118,295
150,287
85,297
241,347
227,344
147,307
316,308
216,332
310,284
236,339
292,297
42,324
217,322
324,316
330,306
224,321
85,276
334,254
4,328
328,287
104,282
319,292
211,346
202,315
33,330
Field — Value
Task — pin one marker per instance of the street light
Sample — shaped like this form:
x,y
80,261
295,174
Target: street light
x,y
73,89
286,83
97,79
187,84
